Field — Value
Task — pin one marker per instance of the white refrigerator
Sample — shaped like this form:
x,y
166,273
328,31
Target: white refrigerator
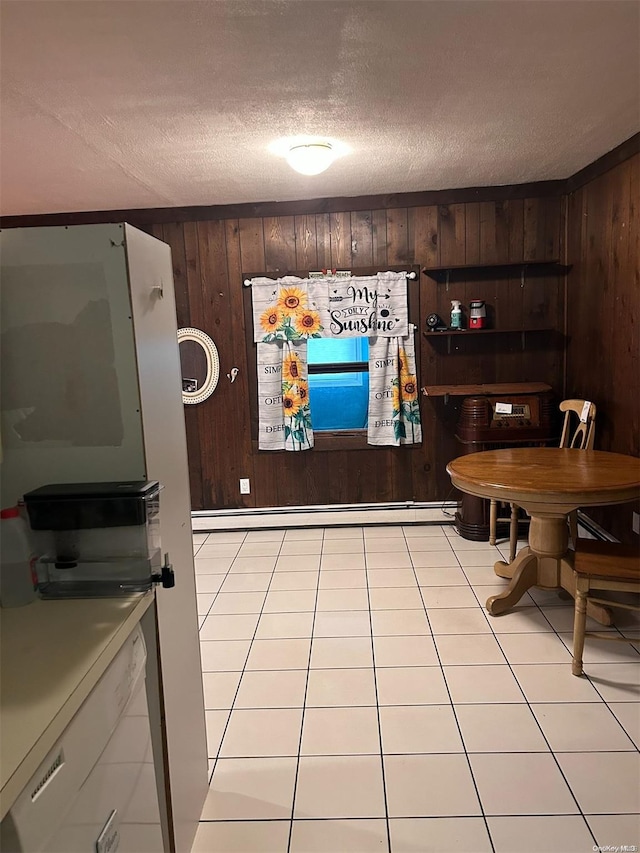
x,y
91,391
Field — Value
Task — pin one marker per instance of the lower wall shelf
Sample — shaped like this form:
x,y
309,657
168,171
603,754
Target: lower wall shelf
x,y
495,389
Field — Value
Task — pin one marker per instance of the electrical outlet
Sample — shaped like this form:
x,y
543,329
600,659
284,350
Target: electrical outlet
x,y
635,524
245,487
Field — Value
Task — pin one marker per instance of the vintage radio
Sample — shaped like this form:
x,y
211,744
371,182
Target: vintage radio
x,y
504,420
491,422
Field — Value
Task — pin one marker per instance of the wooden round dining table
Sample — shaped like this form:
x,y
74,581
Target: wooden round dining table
x,y
549,483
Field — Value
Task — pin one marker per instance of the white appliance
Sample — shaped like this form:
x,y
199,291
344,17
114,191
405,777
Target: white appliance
x,y
96,790
91,391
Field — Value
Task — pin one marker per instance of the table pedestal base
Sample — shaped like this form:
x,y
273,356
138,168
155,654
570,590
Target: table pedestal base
x,y
530,569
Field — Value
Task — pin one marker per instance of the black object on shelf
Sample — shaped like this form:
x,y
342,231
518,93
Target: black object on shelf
x,y
435,323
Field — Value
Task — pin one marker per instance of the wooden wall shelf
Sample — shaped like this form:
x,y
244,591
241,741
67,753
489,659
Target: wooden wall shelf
x,y
468,334
480,272
471,333
495,389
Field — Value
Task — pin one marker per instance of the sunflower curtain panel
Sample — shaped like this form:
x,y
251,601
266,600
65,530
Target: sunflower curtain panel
x,y
290,310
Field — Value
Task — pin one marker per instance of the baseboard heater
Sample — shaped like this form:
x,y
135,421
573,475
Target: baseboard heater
x,y
321,515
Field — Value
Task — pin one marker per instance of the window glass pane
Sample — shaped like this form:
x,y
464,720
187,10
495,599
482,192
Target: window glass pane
x,y
339,400
338,350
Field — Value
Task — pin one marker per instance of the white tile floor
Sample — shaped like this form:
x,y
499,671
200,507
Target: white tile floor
x,y
359,698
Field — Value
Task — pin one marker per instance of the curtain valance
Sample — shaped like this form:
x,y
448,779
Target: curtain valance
x,y
294,308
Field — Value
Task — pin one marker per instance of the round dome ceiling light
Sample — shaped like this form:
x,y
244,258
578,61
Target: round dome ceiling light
x,y
311,158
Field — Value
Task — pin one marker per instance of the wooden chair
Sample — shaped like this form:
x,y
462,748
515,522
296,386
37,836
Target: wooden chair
x,y
580,436
602,566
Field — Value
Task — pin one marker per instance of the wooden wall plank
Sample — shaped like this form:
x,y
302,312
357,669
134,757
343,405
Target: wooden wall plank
x,y
361,238
622,272
379,238
397,236
603,315
340,241
488,233
323,240
238,429
633,279
218,436
199,295
423,224
251,233
423,227
280,244
306,248
451,234
533,229
508,309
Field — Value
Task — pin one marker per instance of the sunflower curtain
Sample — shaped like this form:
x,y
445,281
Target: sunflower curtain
x,y
394,411
289,311
283,321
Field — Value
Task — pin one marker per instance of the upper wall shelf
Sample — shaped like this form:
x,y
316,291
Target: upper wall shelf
x,y
479,272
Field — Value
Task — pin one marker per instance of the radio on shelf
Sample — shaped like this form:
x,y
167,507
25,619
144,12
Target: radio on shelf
x,y
488,422
503,419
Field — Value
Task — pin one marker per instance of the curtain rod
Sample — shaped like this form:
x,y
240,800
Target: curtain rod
x,y
410,275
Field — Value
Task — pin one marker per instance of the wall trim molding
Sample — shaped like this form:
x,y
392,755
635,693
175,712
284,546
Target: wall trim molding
x,y
603,164
305,207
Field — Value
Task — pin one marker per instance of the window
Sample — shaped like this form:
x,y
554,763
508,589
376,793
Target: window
x,y
338,383
338,372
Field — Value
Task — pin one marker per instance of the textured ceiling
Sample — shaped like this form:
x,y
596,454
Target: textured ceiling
x,y
109,104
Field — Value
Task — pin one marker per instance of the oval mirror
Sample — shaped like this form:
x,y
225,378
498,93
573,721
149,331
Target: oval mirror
x,y
199,364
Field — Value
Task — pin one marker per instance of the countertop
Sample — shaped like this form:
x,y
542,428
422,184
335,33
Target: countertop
x,y
52,655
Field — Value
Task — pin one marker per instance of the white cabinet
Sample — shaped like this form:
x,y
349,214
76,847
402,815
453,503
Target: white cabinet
x,y
90,391
96,788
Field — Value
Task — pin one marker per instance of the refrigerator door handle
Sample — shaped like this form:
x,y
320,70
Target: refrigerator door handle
x,y
166,575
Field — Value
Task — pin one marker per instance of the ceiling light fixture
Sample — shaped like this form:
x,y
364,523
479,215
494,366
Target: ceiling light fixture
x,y
311,158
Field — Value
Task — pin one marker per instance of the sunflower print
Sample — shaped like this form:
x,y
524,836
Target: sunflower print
x,y
291,403
291,299
271,318
303,392
292,368
307,322
409,388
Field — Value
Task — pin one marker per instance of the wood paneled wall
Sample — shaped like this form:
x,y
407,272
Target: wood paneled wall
x,y
603,315
209,258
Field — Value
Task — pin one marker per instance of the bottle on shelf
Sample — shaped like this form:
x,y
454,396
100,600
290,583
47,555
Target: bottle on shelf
x,y
17,586
456,314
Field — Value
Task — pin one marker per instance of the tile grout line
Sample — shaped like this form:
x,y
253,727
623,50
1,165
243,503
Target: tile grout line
x,y
455,715
375,687
304,702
